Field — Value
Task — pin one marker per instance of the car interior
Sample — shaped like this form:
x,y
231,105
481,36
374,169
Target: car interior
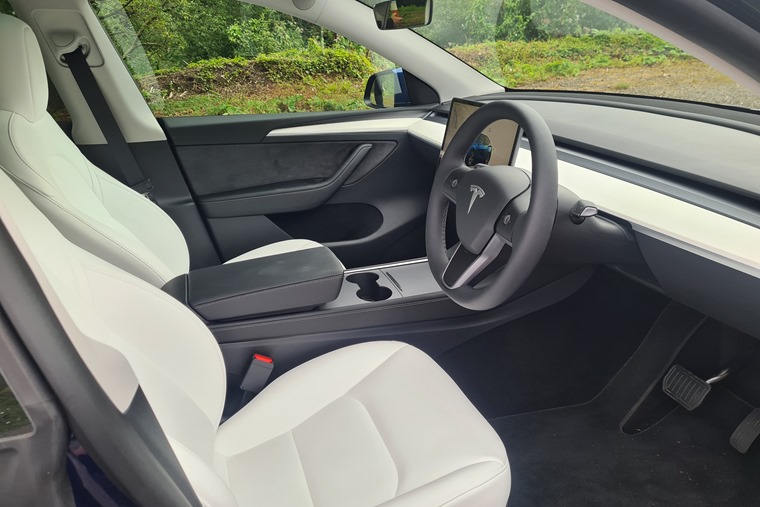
x,y
482,297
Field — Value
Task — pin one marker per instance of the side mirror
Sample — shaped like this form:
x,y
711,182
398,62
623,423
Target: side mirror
x,y
387,89
397,14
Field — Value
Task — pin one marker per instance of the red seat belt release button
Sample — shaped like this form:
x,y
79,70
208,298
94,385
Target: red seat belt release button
x,y
258,374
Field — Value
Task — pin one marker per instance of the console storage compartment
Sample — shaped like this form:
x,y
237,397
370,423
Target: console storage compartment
x,y
276,284
369,288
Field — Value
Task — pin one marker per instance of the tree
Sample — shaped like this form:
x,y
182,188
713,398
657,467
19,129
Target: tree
x,y
456,22
145,32
269,32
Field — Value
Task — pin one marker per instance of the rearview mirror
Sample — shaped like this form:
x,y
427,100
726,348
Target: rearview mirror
x,y
397,14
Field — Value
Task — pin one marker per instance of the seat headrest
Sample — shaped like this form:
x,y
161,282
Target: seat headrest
x,y
23,82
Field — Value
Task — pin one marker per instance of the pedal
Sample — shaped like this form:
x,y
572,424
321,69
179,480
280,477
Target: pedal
x,y
747,432
685,387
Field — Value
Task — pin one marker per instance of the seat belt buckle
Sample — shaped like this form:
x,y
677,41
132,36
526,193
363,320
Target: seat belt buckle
x,y
144,188
258,374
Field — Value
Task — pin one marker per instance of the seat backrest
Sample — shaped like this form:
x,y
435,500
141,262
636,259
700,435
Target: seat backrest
x,y
129,334
92,209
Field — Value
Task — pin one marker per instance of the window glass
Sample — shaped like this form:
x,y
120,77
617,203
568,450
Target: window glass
x,y
571,46
13,419
211,57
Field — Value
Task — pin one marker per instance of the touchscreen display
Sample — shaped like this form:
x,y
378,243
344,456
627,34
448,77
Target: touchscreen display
x,y
496,145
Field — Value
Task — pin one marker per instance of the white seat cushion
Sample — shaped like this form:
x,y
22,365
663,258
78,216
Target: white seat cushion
x,y
93,210
372,424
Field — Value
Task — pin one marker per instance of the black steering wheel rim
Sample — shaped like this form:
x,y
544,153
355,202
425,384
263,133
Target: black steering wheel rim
x,y
531,233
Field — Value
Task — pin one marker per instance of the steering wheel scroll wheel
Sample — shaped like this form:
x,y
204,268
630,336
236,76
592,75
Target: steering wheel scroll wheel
x,y
501,212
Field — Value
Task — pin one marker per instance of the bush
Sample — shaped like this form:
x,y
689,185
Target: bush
x,y
268,33
288,65
515,63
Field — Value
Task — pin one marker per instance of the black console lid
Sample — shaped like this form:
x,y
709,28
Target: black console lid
x,y
281,283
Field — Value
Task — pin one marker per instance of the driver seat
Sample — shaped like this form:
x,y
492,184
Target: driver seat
x,y
378,423
92,209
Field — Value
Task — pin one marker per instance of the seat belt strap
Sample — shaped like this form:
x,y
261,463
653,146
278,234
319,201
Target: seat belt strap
x,y
93,95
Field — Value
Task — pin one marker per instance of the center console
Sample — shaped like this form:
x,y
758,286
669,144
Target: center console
x,y
296,306
383,283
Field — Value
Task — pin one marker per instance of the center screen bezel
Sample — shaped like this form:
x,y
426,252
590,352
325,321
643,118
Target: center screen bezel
x,y
460,110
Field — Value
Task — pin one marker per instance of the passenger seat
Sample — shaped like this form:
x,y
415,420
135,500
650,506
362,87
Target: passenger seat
x,y
92,209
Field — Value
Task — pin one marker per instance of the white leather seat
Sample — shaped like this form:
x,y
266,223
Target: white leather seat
x,y
88,206
372,424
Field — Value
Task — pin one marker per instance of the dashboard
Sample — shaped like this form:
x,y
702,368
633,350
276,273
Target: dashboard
x,y
699,238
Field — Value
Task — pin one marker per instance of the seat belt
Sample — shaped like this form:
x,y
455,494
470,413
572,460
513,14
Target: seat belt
x,y
93,95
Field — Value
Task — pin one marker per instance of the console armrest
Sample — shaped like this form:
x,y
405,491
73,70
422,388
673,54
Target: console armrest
x,y
274,284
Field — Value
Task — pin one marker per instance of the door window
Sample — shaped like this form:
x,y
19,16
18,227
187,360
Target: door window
x,y
218,57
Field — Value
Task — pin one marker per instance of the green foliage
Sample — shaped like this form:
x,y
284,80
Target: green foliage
x,y
5,7
226,57
557,18
520,62
212,104
267,33
203,27
515,21
13,419
457,22
293,64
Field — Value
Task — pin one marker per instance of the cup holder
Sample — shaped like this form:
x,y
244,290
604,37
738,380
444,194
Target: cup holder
x,y
369,289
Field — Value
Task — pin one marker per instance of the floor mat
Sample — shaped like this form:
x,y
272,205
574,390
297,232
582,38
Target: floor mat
x,y
559,356
577,456
569,457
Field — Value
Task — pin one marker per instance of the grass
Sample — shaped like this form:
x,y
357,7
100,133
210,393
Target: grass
x,y
316,94
333,80
520,64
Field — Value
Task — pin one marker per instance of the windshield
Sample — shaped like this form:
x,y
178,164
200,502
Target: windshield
x,y
570,46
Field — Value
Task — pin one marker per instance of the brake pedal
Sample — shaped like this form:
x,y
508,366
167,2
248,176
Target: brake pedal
x,y
685,387
747,432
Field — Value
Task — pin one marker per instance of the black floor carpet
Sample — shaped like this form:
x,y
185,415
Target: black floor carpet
x,y
570,457
562,355
577,456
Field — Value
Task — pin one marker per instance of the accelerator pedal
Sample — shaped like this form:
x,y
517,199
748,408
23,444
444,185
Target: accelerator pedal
x,y
747,432
685,387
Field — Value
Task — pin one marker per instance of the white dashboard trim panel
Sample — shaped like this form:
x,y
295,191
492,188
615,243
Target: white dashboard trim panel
x,y
363,126
698,230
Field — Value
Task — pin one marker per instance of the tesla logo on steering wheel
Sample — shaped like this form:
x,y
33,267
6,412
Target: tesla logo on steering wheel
x,y
476,193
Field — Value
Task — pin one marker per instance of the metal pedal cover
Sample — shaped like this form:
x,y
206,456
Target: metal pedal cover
x,y
747,432
685,387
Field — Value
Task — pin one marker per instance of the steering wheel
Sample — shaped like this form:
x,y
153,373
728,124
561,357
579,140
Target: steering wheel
x,y
500,212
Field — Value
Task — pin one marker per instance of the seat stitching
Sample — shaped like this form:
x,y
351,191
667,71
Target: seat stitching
x,y
171,301
272,289
504,465
21,157
80,219
32,187
388,449
133,195
403,346
300,463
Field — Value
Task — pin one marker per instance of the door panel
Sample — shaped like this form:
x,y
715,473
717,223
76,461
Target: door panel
x,y
363,194
271,168
289,177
